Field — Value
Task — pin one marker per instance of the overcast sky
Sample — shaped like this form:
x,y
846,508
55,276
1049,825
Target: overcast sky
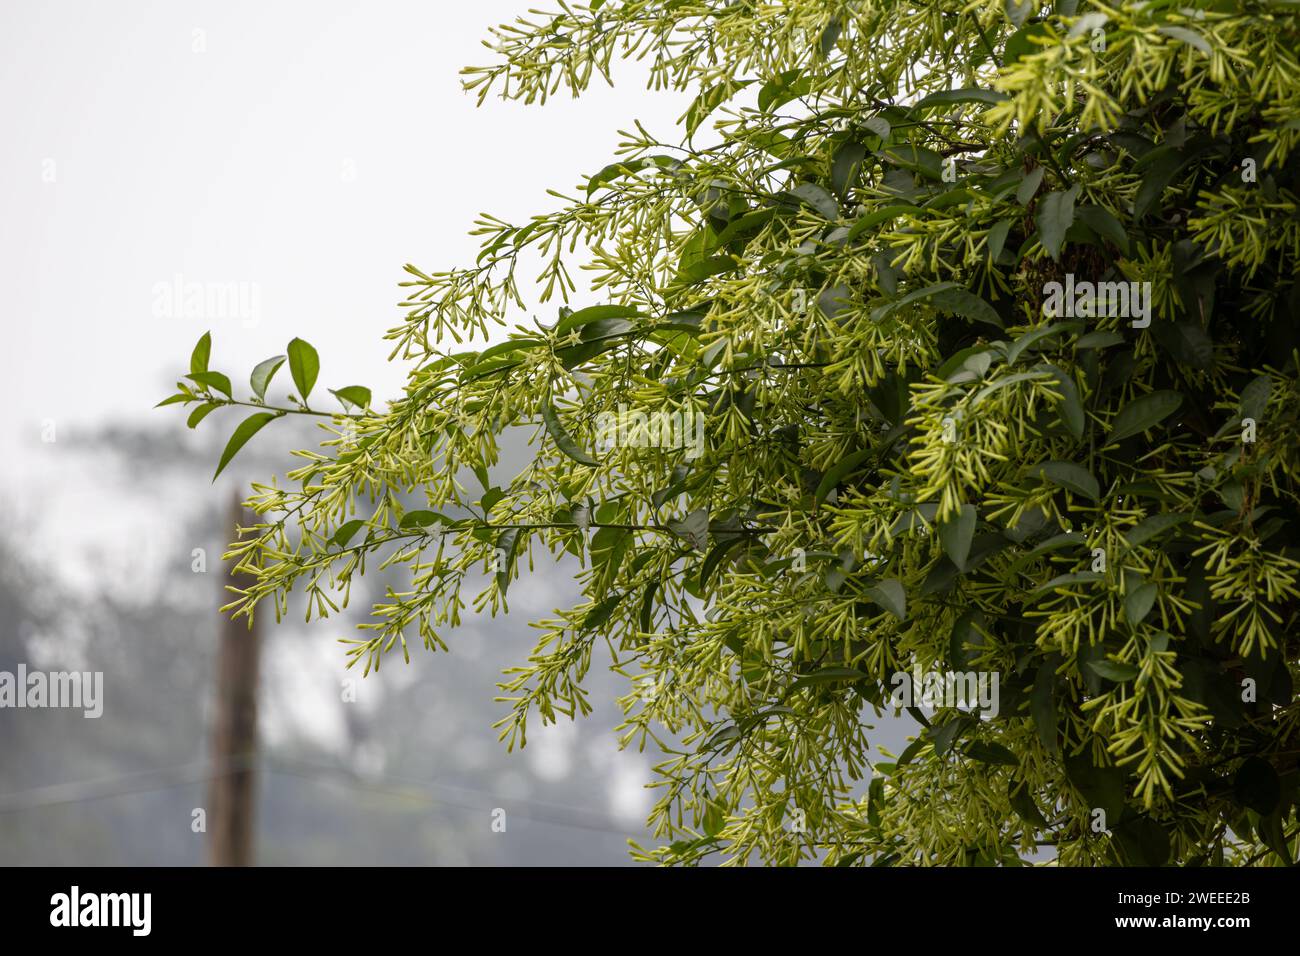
x,y
296,153
305,150
299,153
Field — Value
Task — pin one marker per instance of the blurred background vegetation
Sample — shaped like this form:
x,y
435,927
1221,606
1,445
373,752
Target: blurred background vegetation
x,y
409,773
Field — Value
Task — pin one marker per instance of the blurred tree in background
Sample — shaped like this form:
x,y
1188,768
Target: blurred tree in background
x,y
952,337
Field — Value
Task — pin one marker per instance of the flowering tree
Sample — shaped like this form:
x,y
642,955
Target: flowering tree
x,y
952,338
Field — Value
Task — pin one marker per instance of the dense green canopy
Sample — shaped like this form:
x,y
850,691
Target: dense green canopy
x,y
942,337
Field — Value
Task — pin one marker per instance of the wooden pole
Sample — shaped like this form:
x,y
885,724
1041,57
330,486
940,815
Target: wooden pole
x,y
234,749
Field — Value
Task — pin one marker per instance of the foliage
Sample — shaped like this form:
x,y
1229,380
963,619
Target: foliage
x,y
841,272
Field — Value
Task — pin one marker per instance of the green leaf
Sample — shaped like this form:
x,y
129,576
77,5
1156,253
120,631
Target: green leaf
x,y
818,198
201,413
694,528
728,734
563,440
1143,413
965,640
263,374
1142,841
1065,580
1158,176
490,498
990,752
1138,603
1072,477
878,125
1187,343
499,356
745,225
1113,670
599,614
946,297
344,533
213,380
1042,705
1098,340
829,35
966,304
714,820
715,558
782,89
945,735
1018,11
421,518
910,156
304,363
507,541
617,170
708,101
1100,221
846,166
1102,787
1033,337
912,749
1054,217
1022,801
1153,527
890,595
967,365
1004,382
997,238
357,396
647,615
1086,23
955,535
875,800
1271,831
202,351
839,471
1256,785
1029,185
968,94
605,329
1020,43
835,301
878,216
1190,37
689,274
592,313
829,675
1071,406
1070,539
246,429
1255,396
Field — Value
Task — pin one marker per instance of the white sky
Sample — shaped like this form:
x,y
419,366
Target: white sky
x,y
313,149
309,152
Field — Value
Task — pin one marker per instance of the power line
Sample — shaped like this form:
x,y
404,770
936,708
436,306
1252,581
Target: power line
x,y
81,791
168,778
552,813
